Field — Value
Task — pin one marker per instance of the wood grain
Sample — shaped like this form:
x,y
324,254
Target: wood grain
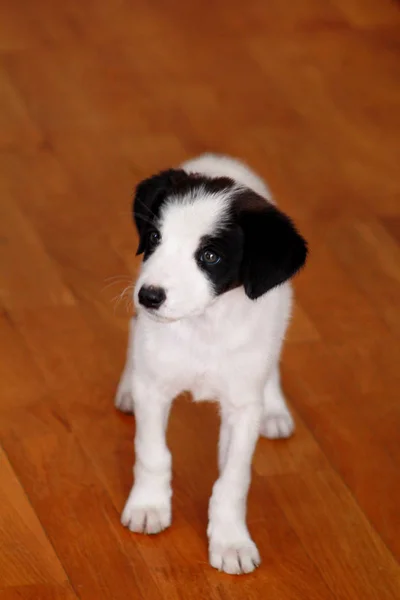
x,y
95,96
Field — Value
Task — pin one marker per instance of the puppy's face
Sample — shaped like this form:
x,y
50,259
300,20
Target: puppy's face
x,y
204,236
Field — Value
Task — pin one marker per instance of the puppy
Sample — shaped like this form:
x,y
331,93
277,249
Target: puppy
x,y
213,301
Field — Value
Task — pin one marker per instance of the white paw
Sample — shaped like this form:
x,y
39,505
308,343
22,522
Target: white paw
x,y
149,518
231,548
275,426
123,398
234,557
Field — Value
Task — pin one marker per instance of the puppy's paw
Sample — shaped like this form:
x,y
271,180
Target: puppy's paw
x,y
123,398
150,518
277,425
232,550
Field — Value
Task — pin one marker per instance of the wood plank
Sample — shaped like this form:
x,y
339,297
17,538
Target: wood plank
x,y
15,121
372,257
21,380
366,14
352,558
26,555
358,434
33,592
28,276
343,556
72,504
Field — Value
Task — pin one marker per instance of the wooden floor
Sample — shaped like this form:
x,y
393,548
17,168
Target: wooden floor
x,y
94,95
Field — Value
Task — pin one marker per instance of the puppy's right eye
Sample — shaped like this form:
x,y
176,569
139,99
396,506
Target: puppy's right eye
x,y
210,257
153,239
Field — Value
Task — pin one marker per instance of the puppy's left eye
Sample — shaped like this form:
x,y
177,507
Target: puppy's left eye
x,y
153,238
210,257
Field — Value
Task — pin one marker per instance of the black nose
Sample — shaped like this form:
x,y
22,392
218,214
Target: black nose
x,y
151,297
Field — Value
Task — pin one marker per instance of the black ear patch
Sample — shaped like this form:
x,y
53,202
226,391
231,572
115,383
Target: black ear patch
x,y
273,249
149,197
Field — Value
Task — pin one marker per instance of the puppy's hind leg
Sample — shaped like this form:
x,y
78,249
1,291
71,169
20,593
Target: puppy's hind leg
x,y
124,397
277,422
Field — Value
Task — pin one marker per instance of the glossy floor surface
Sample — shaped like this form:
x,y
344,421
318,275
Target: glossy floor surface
x,y
95,95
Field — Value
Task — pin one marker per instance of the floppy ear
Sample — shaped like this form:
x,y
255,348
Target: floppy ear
x,y
273,249
149,195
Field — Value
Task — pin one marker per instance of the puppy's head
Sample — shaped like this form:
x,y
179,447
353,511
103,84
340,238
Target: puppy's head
x,y
201,237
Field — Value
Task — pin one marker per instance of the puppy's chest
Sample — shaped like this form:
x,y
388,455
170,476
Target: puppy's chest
x,y
195,359
202,373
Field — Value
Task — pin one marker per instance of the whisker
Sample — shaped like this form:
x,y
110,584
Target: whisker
x,y
106,287
144,218
119,277
118,299
129,306
152,213
117,280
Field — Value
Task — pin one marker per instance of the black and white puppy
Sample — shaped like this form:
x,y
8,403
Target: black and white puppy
x,y
213,301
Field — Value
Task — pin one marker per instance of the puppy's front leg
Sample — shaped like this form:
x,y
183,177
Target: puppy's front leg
x,y
231,548
148,508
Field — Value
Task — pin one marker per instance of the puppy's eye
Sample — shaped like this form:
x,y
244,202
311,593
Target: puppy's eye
x,y
210,257
153,238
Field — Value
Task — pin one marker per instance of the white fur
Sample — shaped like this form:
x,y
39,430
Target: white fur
x,y
225,348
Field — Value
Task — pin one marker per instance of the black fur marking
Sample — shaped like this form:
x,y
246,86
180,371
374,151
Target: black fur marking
x,y
273,249
153,192
228,245
149,197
